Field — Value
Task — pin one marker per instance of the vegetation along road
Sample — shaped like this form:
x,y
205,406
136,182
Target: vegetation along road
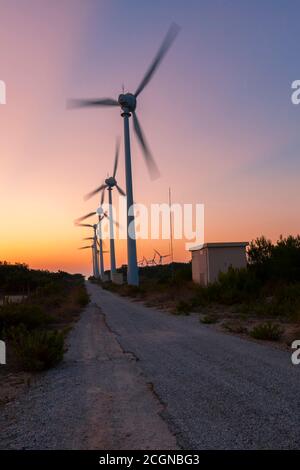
x,y
135,377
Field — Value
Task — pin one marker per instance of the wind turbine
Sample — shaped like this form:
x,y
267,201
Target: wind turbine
x,y
152,261
128,102
95,263
92,247
161,257
109,184
101,214
143,262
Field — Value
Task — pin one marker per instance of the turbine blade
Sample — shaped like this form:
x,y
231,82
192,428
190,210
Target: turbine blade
x,y
83,225
85,217
102,196
157,252
92,193
116,158
114,221
82,103
120,190
152,167
88,238
167,42
84,247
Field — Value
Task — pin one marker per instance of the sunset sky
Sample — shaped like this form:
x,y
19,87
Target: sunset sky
x,y
217,115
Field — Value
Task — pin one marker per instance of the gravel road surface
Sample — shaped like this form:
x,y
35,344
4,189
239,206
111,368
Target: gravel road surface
x,y
219,391
97,398
138,378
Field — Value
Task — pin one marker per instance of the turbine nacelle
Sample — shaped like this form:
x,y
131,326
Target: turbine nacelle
x,y
110,182
127,102
100,211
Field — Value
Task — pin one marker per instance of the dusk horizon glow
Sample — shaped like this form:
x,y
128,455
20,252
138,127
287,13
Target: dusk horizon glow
x,y
218,118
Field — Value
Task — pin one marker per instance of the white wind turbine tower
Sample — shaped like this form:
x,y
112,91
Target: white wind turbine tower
x,y
109,184
101,214
95,258
128,103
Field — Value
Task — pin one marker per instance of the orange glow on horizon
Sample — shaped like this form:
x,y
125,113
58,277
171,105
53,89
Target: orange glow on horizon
x,y
209,146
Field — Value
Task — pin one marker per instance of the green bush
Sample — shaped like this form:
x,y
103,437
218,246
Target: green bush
x,y
234,326
280,261
32,316
208,319
37,350
182,308
82,297
284,303
132,291
267,331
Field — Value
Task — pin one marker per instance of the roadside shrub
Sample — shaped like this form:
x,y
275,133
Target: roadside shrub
x,y
37,350
234,286
132,291
237,285
32,316
280,261
208,319
284,303
183,274
267,331
82,297
182,308
234,327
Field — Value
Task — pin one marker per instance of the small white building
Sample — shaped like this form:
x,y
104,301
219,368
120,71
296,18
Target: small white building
x,y
210,259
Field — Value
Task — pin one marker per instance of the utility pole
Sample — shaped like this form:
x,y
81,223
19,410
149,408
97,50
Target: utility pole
x,y
171,233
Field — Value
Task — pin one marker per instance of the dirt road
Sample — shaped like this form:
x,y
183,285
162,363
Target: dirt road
x,y
220,391
138,378
97,398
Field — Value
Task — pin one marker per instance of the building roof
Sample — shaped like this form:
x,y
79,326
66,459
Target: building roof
x,y
219,245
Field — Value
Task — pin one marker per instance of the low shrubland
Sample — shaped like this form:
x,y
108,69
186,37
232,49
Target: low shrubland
x,y
267,289
37,349
34,330
267,331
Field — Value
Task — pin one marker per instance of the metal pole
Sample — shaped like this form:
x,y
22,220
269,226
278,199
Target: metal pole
x,y
101,250
171,226
171,235
93,259
132,269
95,250
112,237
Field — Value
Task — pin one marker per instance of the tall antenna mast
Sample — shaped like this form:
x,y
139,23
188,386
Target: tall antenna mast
x,y
171,227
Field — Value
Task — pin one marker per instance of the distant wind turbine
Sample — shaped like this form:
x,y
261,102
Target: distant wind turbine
x,y
142,262
101,214
109,184
128,102
161,257
95,257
